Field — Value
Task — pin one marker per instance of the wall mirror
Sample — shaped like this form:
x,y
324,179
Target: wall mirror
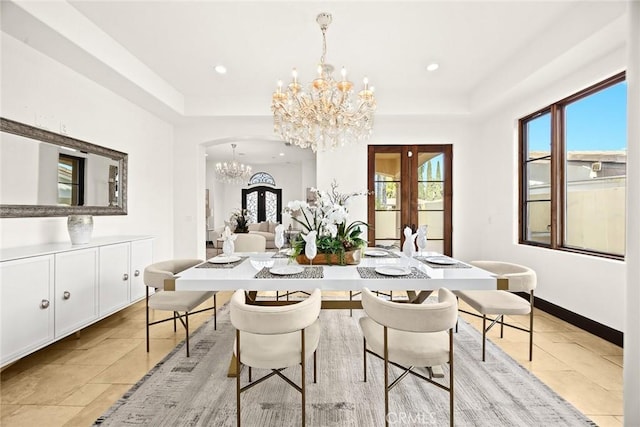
x,y
46,174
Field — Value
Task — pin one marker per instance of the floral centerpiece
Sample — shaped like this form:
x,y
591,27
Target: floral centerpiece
x,y
239,220
328,217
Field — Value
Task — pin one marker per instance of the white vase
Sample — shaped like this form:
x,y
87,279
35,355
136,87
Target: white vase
x,y
80,228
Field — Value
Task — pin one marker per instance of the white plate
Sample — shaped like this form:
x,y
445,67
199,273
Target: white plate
x,y
373,252
286,270
286,252
440,260
393,271
224,259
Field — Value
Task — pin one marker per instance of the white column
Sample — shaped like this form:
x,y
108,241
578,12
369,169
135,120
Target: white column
x,y
632,317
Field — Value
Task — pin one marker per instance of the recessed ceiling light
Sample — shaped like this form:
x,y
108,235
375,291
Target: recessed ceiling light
x,y
220,69
433,66
281,154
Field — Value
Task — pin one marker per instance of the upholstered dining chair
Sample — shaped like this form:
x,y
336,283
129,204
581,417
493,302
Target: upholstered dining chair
x,y
503,302
410,335
275,338
171,300
248,242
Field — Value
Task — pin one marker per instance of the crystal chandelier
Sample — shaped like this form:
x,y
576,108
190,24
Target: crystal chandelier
x,y
324,116
232,172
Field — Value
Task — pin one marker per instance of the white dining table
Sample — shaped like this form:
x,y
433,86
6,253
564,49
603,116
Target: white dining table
x,y
335,277
242,275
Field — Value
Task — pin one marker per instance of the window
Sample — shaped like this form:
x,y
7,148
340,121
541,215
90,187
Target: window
x,y
70,180
573,172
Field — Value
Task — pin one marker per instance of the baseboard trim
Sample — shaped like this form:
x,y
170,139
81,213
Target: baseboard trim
x,y
605,332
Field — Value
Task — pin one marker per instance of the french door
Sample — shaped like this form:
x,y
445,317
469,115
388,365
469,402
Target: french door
x,y
412,186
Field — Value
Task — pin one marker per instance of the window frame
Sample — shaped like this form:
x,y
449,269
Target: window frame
x,y
557,171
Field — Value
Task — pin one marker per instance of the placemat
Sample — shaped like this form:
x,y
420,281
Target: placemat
x,y
207,264
371,273
434,265
307,273
388,255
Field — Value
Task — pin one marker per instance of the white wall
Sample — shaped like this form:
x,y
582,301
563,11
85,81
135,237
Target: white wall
x,y
590,286
36,89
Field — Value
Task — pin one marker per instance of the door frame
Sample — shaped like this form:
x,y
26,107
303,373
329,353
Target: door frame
x,y
408,171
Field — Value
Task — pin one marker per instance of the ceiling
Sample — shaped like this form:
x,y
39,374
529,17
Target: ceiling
x,y
161,54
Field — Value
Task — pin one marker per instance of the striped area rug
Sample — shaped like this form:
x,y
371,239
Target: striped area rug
x,y
195,391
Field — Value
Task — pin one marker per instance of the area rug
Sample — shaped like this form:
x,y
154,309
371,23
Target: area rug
x,y
195,391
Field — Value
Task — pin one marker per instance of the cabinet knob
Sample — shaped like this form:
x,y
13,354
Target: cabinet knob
x,y
136,273
66,295
44,304
125,277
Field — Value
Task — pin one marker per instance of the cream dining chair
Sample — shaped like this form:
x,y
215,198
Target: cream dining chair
x,y
171,300
248,242
275,338
503,302
409,335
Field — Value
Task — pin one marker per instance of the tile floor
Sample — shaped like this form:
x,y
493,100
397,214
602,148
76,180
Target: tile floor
x,y
72,382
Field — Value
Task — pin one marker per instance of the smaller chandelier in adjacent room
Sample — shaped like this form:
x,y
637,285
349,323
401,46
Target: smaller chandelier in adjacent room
x,y
232,172
324,116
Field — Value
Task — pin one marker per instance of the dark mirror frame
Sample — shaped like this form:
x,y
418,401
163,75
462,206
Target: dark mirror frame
x,y
20,211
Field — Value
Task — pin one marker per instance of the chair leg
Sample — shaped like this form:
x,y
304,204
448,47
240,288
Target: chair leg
x,y
215,313
175,316
451,378
350,299
386,379
502,326
250,380
364,358
238,377
531,328
302,356
186,326
484,334
315,373
147,307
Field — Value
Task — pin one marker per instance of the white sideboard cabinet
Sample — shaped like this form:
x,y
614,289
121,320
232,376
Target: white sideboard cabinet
x,y
50,291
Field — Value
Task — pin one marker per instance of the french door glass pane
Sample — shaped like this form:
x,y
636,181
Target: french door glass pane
x,y
434,220
595,171
539,222
430,196
387,189
387,225
387,195
430,167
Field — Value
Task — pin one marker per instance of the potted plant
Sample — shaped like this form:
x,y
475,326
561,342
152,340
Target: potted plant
x,y
239,218
337,241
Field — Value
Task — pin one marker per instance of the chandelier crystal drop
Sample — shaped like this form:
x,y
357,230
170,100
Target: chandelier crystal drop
x,y
232,172
324,116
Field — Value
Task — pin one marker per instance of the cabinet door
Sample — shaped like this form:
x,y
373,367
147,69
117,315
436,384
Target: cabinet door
x,y
141,257
113,277
76,290
27,306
